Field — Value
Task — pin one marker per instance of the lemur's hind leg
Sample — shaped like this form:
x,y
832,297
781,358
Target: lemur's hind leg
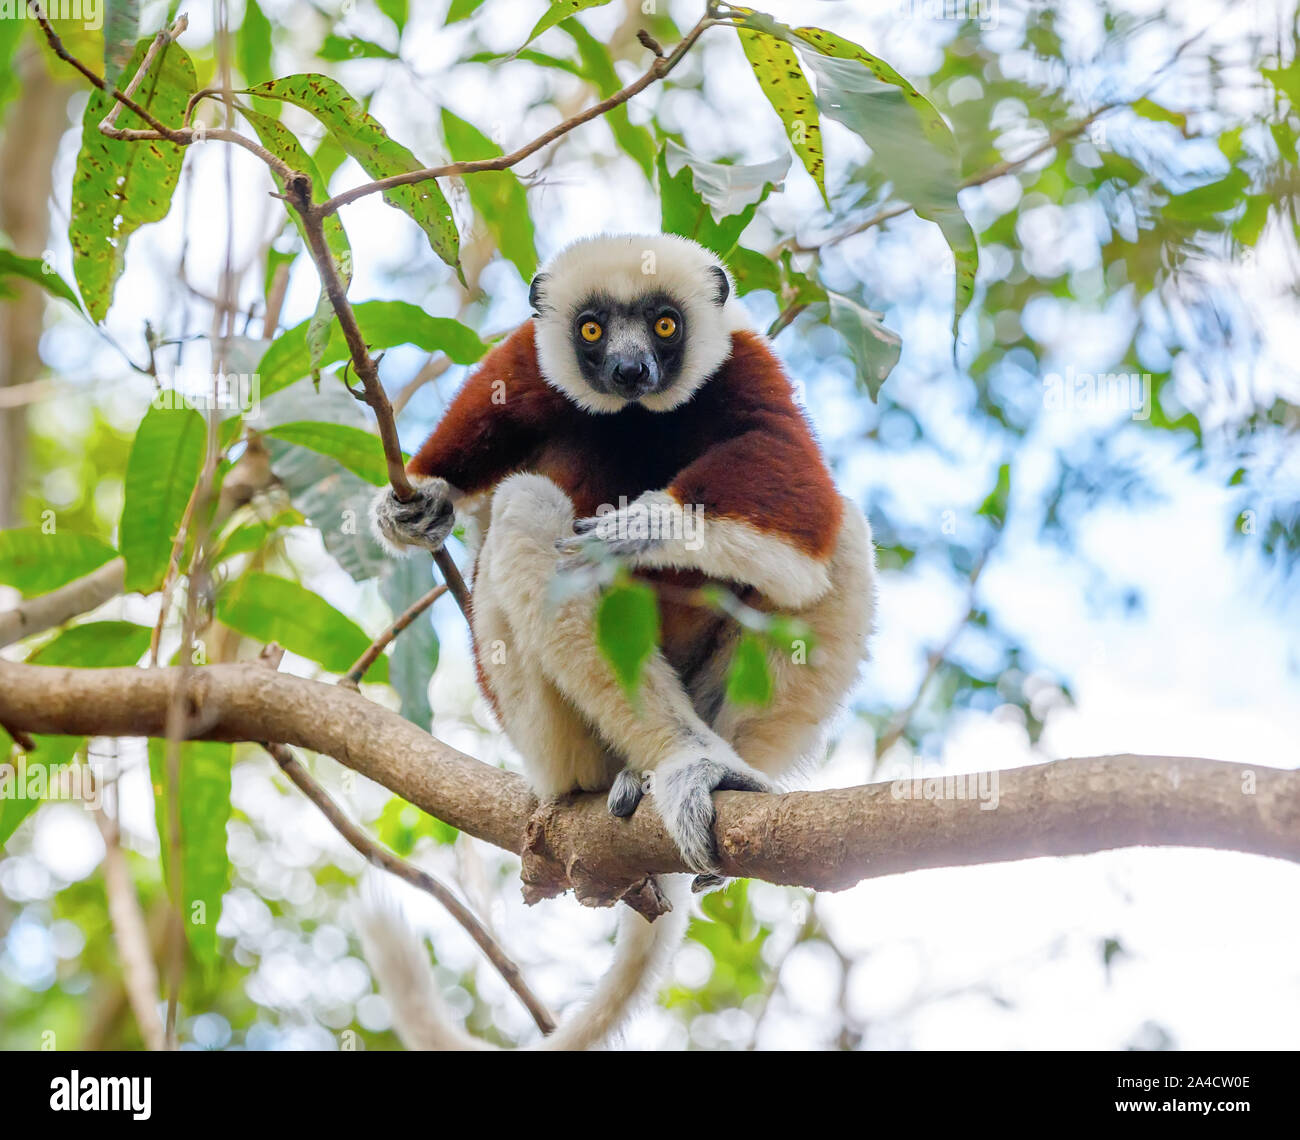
x,y
661,733
560,750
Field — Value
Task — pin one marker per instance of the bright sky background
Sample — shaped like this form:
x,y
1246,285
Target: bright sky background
x,y
1210,667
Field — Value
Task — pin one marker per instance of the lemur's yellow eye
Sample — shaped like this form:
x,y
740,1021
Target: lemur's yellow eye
x,y
591,331
665,326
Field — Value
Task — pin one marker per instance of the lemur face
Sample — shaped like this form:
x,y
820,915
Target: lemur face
x,y
629,349
628,319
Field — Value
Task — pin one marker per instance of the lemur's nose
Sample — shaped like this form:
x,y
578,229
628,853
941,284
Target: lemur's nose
x,y
631,374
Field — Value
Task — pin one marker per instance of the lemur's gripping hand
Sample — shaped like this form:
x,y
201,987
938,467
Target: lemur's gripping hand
x,y
597,538
681,789
424,520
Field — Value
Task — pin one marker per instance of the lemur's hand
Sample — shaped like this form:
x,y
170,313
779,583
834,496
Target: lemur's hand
x,y
681,789
600,537
424,520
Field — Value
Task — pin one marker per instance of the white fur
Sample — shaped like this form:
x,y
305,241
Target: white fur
x,y
732,550
553,685
422,1020
624,267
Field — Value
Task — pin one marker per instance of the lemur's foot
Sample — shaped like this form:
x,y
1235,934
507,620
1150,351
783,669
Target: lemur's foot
x,y
423,520
626,794
683,788
703,884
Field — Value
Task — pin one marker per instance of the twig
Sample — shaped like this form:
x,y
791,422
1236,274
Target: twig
x,y
160,41
1007,166
935,658
380,857
48,610
139,974
385,639
661,66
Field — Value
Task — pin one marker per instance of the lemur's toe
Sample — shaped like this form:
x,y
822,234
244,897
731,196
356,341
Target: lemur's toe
x,y
626,793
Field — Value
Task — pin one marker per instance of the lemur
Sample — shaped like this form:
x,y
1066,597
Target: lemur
x,y
638,386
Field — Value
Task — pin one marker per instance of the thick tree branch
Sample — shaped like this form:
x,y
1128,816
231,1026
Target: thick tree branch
x,y
825,840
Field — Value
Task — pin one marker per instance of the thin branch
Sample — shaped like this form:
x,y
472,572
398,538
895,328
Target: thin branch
x,y
139,974
661,66
160,41
380,857
934,659
1007,166
45,611
353,676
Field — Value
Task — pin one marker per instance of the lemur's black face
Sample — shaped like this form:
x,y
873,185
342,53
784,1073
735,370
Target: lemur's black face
x,y
629,349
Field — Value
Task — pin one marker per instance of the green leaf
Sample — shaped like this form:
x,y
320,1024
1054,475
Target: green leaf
x,y
683,211
383,324
253,48
161,474
204,802
32,774
361,452
119,186
96,645
598,68
627,630
874,348
380,156
1149,109
1286,80
121,30
398,11
462,10
749,681
267,609
560,10
497,196
34,269
727,188
1250,225
782,81
33,562
753,270
995,504
339,48
414,655
907,135
10,31
1214,198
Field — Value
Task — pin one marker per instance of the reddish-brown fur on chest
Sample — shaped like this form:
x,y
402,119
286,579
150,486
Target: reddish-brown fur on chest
x,y
739,449
507,419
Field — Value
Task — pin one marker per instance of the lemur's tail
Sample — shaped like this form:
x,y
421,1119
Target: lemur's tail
x,y
642,953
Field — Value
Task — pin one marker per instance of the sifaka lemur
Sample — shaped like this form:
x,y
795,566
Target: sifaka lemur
x,y
638,391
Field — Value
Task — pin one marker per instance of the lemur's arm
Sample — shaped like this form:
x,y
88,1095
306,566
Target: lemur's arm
x,y
487,431
758,509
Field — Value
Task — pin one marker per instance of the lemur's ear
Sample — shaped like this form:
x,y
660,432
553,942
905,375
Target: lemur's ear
x,y
722,288
535,293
